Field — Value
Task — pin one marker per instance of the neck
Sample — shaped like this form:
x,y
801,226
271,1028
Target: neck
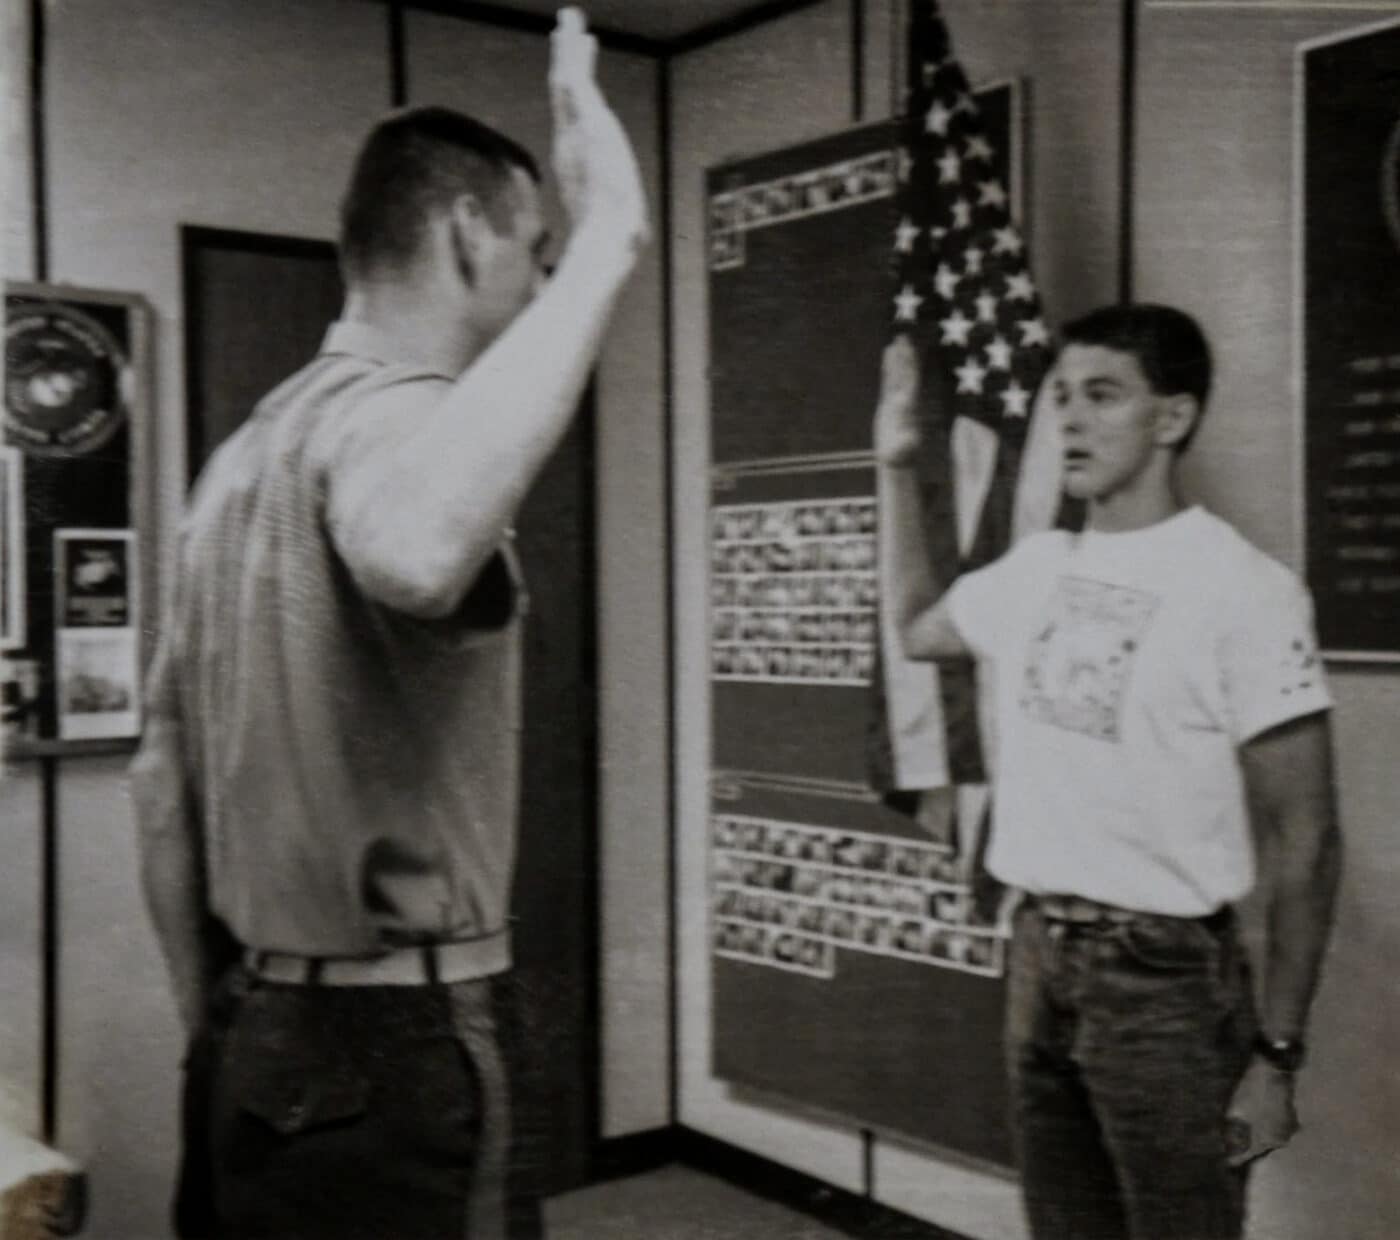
x,y
1135,508
414,324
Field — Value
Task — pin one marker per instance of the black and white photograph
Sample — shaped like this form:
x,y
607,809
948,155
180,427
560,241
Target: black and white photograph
x,y
700,619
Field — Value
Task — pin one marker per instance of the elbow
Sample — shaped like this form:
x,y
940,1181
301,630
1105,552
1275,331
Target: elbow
x,y
424,584
418,590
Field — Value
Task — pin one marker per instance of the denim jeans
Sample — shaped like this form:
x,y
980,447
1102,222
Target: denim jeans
x,y
1125,1042
349,1113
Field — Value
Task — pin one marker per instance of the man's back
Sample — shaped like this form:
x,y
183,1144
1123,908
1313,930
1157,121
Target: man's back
x,y
355,769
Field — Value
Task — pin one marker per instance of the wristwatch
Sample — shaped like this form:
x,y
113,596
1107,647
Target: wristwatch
x,y
1285,1054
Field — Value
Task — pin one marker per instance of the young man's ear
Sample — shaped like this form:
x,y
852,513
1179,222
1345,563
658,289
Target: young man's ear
x,y
1176,419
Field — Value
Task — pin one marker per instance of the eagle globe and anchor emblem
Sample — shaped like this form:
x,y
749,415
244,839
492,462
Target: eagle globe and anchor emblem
x,y
67,382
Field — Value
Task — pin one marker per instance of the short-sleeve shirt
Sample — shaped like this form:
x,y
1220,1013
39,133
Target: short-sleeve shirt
x,y
1129,668
354,769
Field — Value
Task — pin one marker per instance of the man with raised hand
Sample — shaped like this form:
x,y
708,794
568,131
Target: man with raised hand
x,y
1159,705
327,788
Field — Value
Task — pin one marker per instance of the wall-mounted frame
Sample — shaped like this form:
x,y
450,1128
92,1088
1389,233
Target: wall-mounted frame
x,y
1347,335
77,426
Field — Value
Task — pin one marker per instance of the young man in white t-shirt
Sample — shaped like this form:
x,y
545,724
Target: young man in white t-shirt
x,y
1159,705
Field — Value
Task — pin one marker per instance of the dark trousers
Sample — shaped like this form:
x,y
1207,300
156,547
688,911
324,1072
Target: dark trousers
x,y
350,1113
1125,1043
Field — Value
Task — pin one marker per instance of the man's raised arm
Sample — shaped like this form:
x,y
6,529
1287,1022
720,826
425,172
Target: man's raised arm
x,y
926,630
417,519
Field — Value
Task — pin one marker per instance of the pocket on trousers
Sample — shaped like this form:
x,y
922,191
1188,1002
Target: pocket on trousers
x,y
296,1101
289,1072
1170,946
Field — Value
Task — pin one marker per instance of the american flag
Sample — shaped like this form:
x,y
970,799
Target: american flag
x,y
964,296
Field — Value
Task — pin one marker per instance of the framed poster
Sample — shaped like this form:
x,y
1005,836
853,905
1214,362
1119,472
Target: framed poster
x,y
75,472
1348,335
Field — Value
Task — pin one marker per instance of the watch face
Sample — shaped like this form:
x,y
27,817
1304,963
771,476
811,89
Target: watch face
x,y
1285,1054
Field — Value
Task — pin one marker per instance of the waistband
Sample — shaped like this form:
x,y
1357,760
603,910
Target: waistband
x,y
420,965
1081,911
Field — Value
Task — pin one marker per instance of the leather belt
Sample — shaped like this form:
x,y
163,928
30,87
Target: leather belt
x,y
1081,911
426,965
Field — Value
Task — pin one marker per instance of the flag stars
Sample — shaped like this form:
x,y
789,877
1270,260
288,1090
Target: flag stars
x,y
991,194
1019,288
945,280
906,305
963,103
1015,400
962,213
937,232
1033,331
905,236
906,163
936,119
974,258
978,147
971,376
999,354
949,168
1007,241
986,308
956,328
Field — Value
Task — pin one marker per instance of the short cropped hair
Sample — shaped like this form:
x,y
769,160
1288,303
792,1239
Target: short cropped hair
x,y
413,164
1168,344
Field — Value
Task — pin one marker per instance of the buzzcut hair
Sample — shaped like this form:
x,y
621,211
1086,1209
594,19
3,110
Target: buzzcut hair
x,y
413,164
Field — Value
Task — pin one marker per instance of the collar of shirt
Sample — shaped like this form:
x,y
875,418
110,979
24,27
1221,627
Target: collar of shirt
x,y
369,343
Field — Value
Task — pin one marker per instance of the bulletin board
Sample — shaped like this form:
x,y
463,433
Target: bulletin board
x,y
77,369
853,971
1349,284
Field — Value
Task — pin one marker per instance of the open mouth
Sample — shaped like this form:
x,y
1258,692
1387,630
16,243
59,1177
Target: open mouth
x,y
1075,458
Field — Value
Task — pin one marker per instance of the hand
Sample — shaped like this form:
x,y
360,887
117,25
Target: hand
x,y
1261,1117
897,415
593,159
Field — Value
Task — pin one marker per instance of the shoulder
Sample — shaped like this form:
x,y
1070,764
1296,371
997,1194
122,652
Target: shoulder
x,y
1245,572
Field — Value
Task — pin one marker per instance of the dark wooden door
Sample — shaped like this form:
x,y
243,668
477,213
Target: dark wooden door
x,y
256,308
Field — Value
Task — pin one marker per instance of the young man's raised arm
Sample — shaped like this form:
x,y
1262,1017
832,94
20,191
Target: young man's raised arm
x,y
418,518
926,629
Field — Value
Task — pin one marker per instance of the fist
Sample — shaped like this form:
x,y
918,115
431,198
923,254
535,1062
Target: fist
x,y
896,415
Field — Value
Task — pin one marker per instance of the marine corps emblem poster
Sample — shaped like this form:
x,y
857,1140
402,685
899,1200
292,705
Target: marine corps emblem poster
x,y
76,391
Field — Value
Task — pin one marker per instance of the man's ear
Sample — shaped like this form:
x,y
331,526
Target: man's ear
x,y
1176,417
466,222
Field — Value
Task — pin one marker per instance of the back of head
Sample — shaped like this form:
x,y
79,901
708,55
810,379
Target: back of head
x,y
413,164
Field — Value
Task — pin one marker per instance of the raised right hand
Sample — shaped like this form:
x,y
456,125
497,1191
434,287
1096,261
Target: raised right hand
x,y
593,159
896,429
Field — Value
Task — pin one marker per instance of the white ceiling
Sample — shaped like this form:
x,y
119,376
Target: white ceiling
x,y
653,19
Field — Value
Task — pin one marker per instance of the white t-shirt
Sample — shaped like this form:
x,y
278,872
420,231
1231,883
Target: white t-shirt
x,y
1128,670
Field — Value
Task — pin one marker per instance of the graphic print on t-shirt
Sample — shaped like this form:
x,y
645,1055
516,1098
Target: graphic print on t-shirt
x,y
1080,659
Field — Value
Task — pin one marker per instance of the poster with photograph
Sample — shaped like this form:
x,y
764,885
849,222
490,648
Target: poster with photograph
x,y
12,586
93,579
97,648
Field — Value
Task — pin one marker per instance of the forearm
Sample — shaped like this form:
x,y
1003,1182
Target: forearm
x,y
172,872
1301,903
444,495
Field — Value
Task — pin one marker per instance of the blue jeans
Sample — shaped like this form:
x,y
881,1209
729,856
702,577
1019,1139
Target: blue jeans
x,y
1125,1042
366,1113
